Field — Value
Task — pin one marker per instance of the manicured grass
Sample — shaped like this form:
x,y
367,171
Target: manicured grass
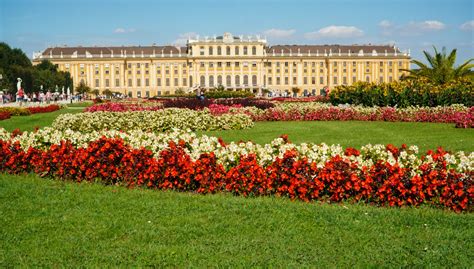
x,y
28,123
47,223
358,133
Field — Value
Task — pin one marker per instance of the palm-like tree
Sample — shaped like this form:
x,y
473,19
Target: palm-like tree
x,y
441,67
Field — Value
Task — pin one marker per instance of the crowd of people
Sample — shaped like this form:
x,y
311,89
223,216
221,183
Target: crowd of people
x,y
35,97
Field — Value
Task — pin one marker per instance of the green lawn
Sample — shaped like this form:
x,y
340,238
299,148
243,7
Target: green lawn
x,y
28,123
358,133
47,223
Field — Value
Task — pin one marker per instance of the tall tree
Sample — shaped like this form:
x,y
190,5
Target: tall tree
x,y
440,68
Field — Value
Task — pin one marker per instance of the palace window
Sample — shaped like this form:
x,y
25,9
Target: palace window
x,y
219,64
245,50
335,80
246,80
294,80
236,50
305,80
147,94
228,81
278,82
158,82
106,72
129,82
201,50
117,82
167,82
227,64
107,84
219,80
190,80
97,82
381,79
286,81
353,79
254,50
139,82
270,81
367,78
147,82
184,82
227,50
203,81
211,51
254,80
321,80
237,80
176,81
344,80
219,50
313,80
236,64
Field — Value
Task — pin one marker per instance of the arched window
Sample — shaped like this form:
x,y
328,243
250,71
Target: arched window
x,y
219,50
236,50
227,50
211,51
190,81
264,80
245,50
367,79
254,80
254,50
219,80
228,81
246,80
237,80
203,81
211,81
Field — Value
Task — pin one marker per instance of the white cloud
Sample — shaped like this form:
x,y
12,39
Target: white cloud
x,y
183,38
335,31
385,24
123,30
467,26
413,28
279,33
429,25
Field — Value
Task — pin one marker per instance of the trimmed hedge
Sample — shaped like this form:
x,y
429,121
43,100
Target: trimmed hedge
x,y
404,94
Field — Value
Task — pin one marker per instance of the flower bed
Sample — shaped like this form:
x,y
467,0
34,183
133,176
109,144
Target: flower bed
x,y
318,98
458,114
153,121
4,115
382,175
43,109
25,111
189,103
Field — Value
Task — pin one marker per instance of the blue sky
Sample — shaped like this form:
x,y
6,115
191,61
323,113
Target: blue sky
x,y
410,24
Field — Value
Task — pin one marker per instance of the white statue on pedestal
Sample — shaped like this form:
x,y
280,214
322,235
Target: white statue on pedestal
x,y
18,85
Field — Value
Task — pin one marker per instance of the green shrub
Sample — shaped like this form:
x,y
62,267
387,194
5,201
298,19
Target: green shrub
x,y
404,94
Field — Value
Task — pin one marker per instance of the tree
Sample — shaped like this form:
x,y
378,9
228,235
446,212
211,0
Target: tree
x,y
441,68
107,93
95,92
295,91
82,88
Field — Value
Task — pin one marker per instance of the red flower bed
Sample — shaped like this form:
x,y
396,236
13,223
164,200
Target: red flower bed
x,y
113,162
5,115
43,109
319,98
462,119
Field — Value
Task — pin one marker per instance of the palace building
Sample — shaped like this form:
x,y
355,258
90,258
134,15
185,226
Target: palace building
x,y
233,62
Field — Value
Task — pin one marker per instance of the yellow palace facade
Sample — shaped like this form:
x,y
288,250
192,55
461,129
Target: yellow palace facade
x,y
233,62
